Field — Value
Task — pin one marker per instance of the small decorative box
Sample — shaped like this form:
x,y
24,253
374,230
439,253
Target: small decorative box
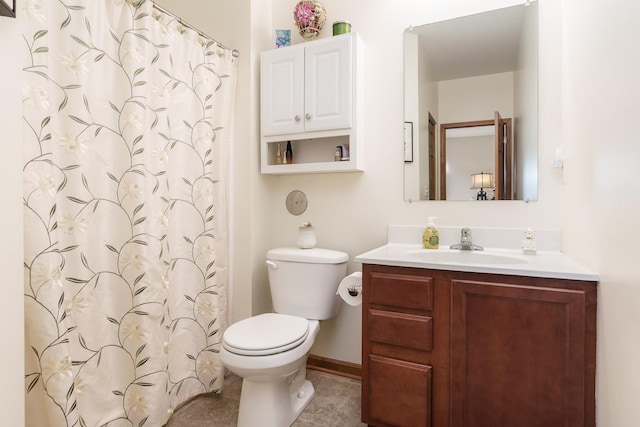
x,y
283,38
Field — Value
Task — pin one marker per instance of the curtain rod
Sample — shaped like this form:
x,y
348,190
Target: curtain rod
x,y
234,52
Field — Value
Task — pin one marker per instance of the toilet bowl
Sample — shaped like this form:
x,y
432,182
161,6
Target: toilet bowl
x,y
274,388
269,351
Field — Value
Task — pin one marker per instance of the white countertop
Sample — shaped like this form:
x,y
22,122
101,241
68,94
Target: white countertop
x,y
542,264
545,263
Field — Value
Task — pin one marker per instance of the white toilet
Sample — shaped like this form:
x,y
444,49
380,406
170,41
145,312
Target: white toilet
x,y
269,351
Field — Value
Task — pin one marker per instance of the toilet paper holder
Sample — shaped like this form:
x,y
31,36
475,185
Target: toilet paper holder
x,y
350,289
354,290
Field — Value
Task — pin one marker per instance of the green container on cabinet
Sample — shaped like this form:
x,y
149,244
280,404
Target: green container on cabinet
x,y
341,27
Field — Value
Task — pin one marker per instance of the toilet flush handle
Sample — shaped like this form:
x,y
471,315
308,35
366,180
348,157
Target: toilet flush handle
x,y
272,264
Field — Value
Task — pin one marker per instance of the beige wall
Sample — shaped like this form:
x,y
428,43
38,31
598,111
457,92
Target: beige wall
x,y
475,98
525,111
412,188
601,219
11,297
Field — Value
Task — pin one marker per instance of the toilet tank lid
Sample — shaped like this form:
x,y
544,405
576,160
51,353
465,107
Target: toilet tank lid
x,y
313,255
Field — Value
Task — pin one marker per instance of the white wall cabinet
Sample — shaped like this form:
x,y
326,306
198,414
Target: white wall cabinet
x,y
310,96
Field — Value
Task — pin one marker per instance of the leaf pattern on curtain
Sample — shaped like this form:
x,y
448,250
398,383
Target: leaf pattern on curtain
x,y
126,118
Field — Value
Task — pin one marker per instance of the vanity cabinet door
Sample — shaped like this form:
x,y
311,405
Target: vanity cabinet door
x,y
522,355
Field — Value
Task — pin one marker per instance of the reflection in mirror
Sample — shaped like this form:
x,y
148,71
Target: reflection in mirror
x,y
471,96
472,149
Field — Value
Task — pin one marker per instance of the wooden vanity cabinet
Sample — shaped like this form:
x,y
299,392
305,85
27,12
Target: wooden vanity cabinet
x,y
482,350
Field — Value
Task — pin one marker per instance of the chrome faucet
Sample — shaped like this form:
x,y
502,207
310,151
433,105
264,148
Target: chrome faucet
x,y
465,242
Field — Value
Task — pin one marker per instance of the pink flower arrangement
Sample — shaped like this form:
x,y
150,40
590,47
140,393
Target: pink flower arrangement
x,y
309,16
303,13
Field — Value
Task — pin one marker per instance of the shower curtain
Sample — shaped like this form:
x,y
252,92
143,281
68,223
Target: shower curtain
x,y
127,119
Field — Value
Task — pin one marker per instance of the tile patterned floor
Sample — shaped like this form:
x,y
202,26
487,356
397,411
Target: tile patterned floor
x,y
335,404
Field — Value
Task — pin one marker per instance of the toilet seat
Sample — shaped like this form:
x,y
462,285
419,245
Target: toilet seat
x,y
266,334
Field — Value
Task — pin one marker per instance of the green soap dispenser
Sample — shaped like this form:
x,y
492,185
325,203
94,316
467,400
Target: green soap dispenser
x,y
431,236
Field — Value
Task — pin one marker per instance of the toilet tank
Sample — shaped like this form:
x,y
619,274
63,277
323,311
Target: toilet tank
x,y
304,282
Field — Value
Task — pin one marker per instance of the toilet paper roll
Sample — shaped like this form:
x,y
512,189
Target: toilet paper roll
x,y
353,283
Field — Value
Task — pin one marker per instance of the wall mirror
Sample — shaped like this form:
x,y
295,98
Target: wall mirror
x,y
8,8
471,98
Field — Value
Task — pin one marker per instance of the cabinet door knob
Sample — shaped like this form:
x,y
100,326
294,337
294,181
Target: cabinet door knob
x,y
297,118
307,116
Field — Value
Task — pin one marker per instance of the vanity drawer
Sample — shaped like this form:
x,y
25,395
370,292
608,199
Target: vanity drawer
x,y
401,329
398,393
400,290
